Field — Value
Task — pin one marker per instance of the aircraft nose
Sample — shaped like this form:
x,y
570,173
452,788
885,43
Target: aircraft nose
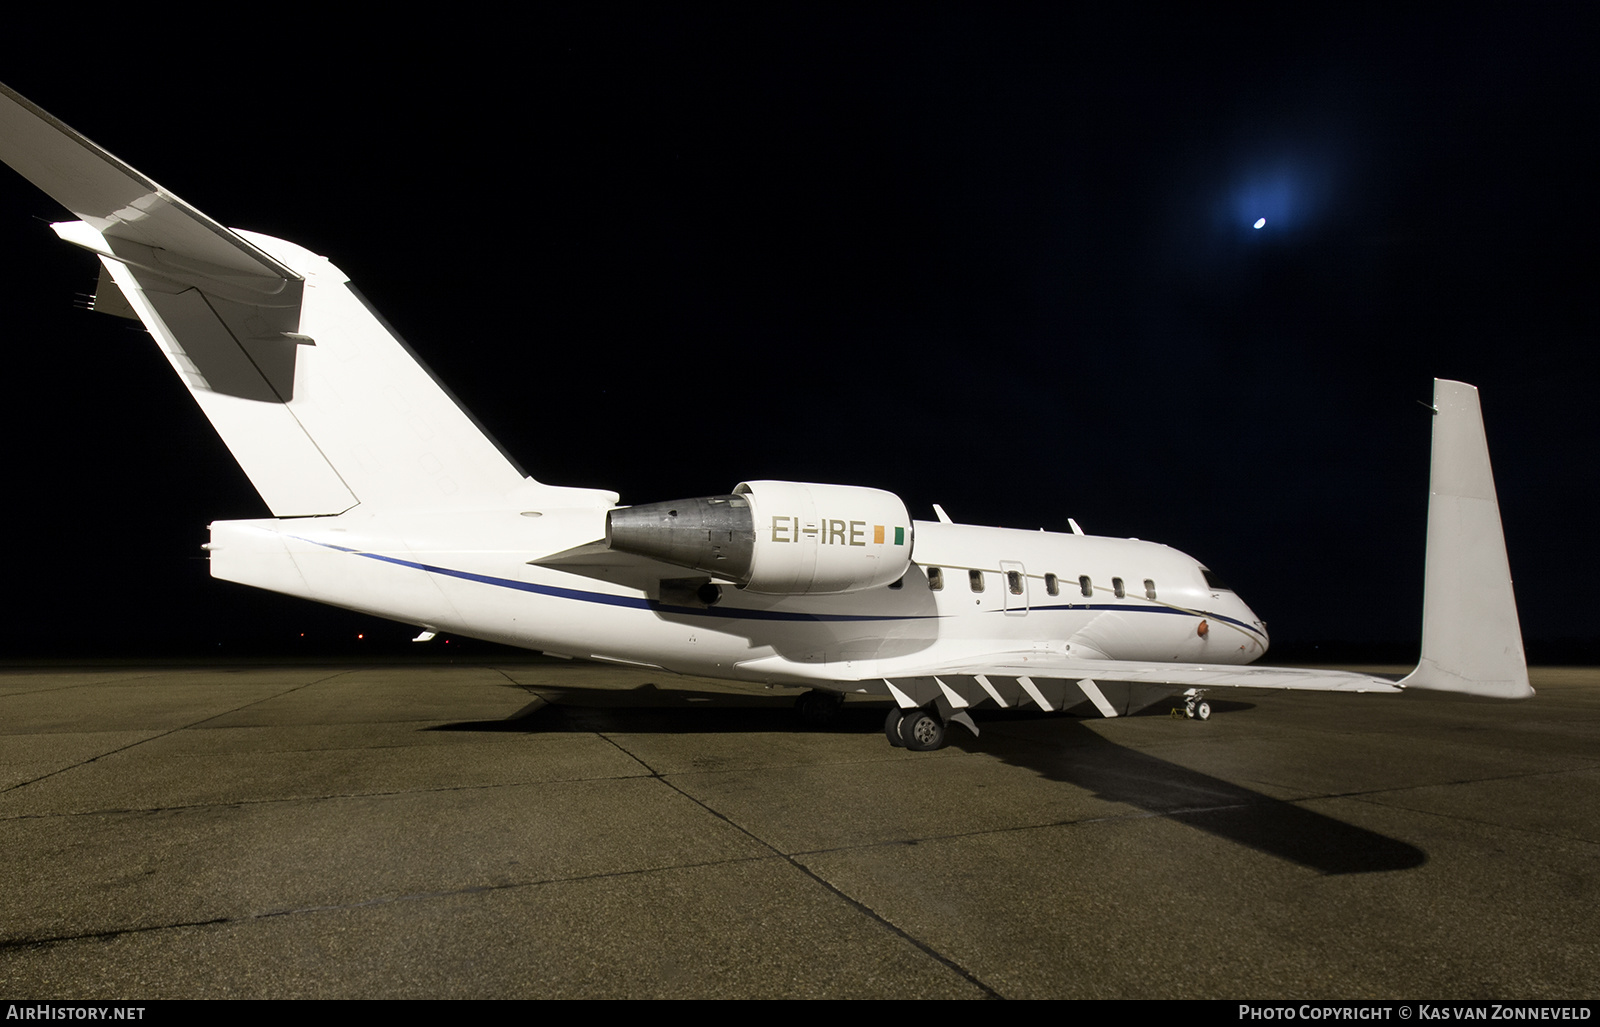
x,y
1252,626
1260,627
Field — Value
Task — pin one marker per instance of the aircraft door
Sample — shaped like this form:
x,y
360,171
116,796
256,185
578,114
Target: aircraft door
x,y
1014,588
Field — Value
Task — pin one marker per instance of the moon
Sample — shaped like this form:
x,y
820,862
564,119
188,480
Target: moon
x,y
1260,222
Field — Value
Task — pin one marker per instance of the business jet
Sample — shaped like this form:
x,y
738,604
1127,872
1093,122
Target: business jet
x,y
388,498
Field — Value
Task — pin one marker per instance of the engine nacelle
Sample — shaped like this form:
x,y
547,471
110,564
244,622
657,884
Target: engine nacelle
x,y
776,537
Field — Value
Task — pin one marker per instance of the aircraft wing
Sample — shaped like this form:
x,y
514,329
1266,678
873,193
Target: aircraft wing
x,y
1113,687
1048,679
1191,675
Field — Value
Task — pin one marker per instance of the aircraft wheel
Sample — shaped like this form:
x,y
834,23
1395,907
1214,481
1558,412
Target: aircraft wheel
x,y
1188,708
922,731
891,727
818,708
1202,710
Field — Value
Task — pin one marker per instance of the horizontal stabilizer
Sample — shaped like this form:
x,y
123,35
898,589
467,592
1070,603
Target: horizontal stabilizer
x,y
315,395
120,203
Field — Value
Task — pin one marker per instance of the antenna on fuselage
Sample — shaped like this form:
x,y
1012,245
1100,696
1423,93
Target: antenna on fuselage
x,y
944,518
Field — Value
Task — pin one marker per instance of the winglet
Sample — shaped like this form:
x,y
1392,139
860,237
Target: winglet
x,y
1471,638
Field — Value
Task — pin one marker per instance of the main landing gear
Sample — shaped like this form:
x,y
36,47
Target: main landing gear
x,y
925,728
1195,706
818,708
919,730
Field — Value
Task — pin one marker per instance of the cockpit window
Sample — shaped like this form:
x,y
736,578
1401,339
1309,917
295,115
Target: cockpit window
x,y
1213,582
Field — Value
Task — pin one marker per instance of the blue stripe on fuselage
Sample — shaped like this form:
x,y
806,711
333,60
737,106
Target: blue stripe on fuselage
x,y
604,599
640,603
1152,609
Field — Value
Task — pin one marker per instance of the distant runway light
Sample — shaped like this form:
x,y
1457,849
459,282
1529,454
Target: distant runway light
x,y
1260,222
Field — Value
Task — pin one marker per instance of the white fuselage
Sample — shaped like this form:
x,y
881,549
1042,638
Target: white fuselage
x,y
391,500
970,591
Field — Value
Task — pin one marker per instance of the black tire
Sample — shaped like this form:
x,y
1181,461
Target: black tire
x,y
818,708
922,731
891,727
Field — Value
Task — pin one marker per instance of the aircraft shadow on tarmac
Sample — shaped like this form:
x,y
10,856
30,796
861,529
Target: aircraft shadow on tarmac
x,y
1077,756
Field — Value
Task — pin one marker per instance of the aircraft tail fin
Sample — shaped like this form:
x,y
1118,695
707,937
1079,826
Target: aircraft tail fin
x,y
318,399
1471,638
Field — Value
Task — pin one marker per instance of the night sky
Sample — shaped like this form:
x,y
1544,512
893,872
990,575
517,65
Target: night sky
x,y
1001,262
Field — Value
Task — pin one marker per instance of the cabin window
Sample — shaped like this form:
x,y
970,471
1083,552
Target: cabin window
x,y
1149,588
975,579
935,579
1052,584
1116,587
1014,582
1085,586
